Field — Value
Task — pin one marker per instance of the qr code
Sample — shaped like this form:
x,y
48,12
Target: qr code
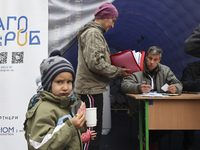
x,y
17,57
3,57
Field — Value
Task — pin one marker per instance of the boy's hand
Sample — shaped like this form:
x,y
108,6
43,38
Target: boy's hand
x,y
84,125
78,120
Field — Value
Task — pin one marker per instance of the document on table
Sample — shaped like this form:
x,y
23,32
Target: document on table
x,y
154,94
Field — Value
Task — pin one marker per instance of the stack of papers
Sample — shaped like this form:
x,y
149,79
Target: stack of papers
x,y
137,56
154,94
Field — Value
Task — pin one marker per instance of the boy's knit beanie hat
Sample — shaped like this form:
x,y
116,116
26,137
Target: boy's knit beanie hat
x,y
106,11
52,66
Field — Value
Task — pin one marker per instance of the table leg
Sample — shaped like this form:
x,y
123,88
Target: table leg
x,y
147,124
141,125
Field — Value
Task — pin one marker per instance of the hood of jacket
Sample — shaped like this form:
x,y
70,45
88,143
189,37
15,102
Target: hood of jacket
x,y
93,25
69,101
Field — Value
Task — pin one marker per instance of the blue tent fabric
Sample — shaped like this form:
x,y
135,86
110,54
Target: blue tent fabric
x,y
144,23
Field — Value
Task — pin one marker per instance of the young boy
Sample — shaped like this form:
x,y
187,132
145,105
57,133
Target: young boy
x,y
50,124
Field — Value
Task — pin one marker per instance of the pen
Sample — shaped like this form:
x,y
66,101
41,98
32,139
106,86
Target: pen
x,y
143,83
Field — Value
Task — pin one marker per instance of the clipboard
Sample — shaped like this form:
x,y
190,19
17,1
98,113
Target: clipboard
x,y
127,60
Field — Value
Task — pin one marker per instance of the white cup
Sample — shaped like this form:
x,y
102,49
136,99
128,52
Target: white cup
x,y
91,116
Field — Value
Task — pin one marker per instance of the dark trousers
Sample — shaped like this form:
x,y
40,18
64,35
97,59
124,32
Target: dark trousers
x,y
188,140
95,100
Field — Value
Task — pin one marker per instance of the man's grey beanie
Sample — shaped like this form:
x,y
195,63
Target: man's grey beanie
x,y
52,66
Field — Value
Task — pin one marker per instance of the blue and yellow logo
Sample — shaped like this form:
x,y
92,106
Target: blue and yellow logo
x,y
21,23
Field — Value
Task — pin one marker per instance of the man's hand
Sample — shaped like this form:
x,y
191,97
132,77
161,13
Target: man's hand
x,y
172,88
125,72
145,88
93,135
